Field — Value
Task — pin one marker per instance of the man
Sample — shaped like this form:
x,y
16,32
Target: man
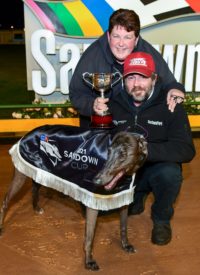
x,y
142,105
107,55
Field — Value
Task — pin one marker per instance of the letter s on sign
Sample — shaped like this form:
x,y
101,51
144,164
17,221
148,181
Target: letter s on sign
x,y
43,62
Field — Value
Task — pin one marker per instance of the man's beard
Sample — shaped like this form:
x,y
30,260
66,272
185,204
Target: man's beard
x,y
141,99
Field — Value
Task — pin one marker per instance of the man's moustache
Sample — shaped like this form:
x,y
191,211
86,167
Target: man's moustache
x,y
139,89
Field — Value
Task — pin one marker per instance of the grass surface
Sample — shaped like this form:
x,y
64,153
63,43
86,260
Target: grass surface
x,y
13,83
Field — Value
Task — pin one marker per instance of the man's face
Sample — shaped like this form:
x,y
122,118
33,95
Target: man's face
x,y
139,87
121,42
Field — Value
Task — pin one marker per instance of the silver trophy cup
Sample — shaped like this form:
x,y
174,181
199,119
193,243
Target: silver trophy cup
x,y
102,82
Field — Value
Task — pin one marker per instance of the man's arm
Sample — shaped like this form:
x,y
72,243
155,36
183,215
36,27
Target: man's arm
x,y
179,146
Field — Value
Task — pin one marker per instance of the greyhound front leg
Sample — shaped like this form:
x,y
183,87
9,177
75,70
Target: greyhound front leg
x,y
35,197
16,184
123,230
91,218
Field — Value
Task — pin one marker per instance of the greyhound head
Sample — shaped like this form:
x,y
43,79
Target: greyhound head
x,y
126,154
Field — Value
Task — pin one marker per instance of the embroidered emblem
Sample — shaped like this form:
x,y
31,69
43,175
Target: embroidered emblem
x,y
50,150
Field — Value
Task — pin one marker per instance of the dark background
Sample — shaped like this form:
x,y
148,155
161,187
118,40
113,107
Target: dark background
x,y
12,14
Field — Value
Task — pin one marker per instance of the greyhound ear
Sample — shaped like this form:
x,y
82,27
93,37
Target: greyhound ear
x,y
142,144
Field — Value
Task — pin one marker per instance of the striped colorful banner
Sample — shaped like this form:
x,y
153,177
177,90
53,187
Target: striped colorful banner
x,y
89,18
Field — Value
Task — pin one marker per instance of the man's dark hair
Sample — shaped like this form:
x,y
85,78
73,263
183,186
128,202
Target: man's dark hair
x,y
125,18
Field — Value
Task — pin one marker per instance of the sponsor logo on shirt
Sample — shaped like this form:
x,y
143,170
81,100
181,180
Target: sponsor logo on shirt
x,y
153,122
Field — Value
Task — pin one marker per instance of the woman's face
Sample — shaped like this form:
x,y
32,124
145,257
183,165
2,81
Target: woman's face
x,y
121,42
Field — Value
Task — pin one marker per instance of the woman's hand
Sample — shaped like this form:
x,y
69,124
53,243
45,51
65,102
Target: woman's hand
x,y
174,96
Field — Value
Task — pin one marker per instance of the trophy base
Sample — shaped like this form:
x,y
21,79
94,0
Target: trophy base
x,y
104,121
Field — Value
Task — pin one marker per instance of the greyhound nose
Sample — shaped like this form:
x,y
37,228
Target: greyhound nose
x,y
98,181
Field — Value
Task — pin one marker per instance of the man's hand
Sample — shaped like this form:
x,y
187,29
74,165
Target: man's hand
x,y
174,96
100,105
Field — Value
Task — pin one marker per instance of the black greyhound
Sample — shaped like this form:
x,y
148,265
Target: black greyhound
x,y
125,154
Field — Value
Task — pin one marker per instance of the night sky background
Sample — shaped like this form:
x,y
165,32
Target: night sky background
x,y
12,14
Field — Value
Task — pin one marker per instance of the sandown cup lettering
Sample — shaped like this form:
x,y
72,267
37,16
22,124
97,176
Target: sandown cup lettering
x,y
81,157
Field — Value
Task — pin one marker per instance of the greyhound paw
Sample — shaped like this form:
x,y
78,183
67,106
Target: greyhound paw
x,y
129,248
39,210
92,265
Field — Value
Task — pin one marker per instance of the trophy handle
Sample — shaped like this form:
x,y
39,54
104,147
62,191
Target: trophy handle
x,y
119,75
87,76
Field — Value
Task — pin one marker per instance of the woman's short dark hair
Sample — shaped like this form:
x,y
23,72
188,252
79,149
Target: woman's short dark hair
x,y
125,18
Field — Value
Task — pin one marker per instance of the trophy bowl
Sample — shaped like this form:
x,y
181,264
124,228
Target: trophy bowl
x,y
102,82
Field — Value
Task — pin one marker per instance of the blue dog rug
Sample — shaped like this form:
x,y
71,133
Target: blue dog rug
x,y
67,158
